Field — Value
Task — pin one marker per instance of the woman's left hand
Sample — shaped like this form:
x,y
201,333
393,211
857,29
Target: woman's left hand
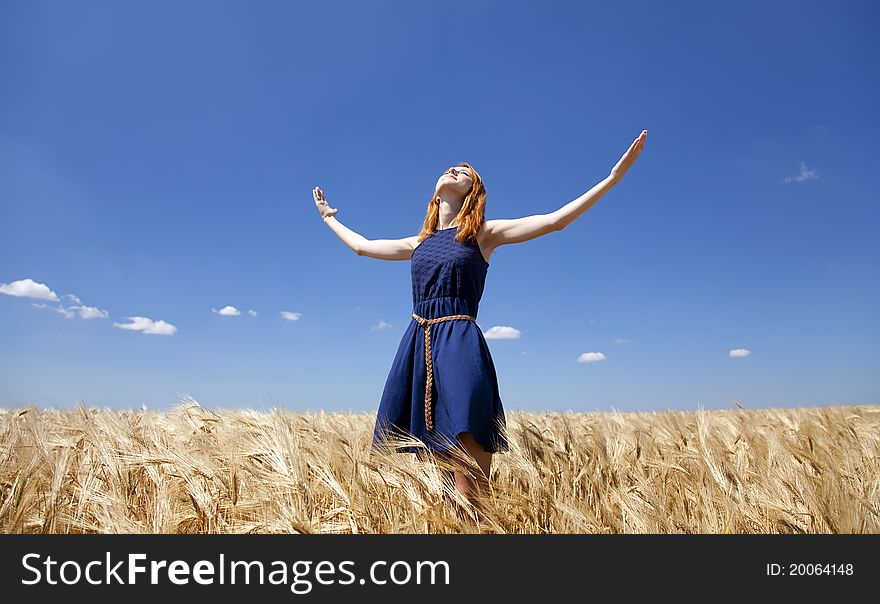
x,y
629,158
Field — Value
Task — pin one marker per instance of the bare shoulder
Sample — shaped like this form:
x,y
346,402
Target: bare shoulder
x,y
412,242
486,238
487,233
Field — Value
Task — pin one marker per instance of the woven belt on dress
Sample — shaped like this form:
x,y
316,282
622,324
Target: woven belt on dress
x,y
429,369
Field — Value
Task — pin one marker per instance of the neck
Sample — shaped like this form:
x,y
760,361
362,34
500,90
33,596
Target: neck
x,y
450,206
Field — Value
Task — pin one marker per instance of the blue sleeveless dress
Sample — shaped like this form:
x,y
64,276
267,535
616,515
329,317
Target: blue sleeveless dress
x,y
447,279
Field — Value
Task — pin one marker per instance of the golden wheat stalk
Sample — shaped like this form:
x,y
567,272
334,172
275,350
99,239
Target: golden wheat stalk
x,y
193,470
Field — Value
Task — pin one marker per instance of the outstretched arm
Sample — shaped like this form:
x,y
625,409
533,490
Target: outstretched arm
x,y
383,249
517,230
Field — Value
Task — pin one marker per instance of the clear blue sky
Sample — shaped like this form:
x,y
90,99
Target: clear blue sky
x,y
157,161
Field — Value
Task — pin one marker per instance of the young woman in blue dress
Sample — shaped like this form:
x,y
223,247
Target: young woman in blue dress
x,y
454,187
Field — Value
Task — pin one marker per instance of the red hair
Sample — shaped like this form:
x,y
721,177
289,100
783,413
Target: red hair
x,y
471,216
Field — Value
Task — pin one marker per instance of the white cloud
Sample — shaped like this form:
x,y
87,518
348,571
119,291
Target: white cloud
x,y
804,175
740,352
227,311
291,316
252,313
621,341
85,312
31,289
502,332
90,312
28,288
382,325
590,357
148,326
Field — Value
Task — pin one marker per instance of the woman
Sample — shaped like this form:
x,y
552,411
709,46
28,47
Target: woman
x,y
442,387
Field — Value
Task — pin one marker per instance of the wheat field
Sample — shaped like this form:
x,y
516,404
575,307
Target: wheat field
x,y
196,470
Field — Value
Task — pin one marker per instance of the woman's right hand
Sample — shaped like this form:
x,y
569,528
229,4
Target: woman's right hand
x,y
324,208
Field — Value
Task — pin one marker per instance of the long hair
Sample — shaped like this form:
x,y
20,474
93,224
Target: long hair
x,y
471,216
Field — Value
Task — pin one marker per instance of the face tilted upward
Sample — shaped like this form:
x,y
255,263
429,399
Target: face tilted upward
x,y
457,178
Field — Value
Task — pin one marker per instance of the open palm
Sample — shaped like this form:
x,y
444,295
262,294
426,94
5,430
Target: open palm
x,y
324,208
629,158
